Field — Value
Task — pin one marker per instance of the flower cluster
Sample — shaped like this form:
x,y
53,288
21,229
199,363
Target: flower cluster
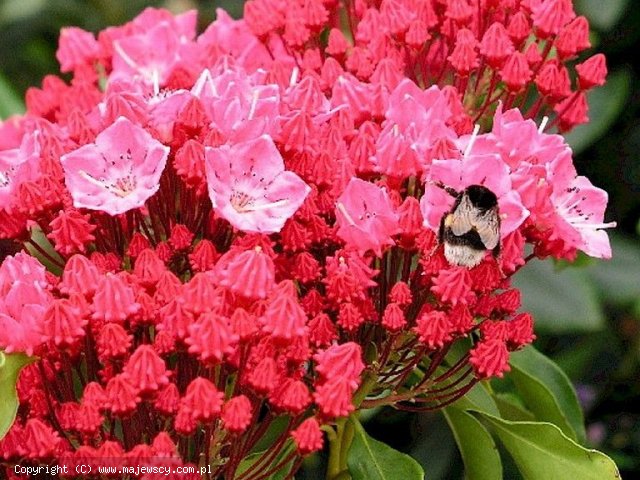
x,y
242,227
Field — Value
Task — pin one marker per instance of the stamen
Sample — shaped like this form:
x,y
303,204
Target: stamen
x,y
594,226
127,183
127,59
254,103
265,206
205,78
294,76
155,79
543,124
472,140
345,213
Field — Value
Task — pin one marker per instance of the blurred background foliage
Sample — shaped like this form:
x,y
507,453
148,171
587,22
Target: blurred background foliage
x,y
588,316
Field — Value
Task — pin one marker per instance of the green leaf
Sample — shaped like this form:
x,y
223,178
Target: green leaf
x,y
370,459
10,366
479,453
542,451
512,408
547,392
10,102
478,398
602,15
561,302
606,103
251,459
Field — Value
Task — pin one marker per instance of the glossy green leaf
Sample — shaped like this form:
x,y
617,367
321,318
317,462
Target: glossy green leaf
x,y
547,392
602,15
282,472
370,459
10,366
561,302
542,451
606,103
478,398
512,408
479,453
10,102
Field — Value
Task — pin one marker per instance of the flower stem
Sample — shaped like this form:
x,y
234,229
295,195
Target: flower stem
x,y
340,439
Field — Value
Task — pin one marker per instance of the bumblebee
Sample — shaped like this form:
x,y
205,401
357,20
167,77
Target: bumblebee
x,y
471,227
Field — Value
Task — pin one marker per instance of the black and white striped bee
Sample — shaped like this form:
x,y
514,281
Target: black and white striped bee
x,y
471,227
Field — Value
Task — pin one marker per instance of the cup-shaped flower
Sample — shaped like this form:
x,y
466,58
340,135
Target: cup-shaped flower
x,y
118,172
578,207
250,188
365,218
17,165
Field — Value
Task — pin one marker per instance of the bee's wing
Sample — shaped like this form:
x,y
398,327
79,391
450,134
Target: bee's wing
x,y
488,227
466,217
463,216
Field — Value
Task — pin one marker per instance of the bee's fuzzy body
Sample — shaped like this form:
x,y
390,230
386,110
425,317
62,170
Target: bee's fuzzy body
x,y
471,227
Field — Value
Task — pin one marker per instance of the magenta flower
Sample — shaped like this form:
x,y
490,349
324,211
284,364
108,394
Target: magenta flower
x,y
365,218
250,188
118,172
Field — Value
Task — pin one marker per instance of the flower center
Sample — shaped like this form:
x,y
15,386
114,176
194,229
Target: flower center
x,y
240,201
124,186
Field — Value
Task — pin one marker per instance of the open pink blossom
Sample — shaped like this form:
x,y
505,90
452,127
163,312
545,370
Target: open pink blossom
x,y
118,172
240,109
250,188
148,57
420,115
522,141
184,24
488,170
227,36
18,165
365,217
76,48
579,211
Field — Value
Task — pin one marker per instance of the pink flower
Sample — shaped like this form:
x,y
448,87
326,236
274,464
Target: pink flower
x,y
240,109
23,301
522,141
250,188
76,48
420,115
160,41
365,218
118,172
308,436
17,165
579,211
232,37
